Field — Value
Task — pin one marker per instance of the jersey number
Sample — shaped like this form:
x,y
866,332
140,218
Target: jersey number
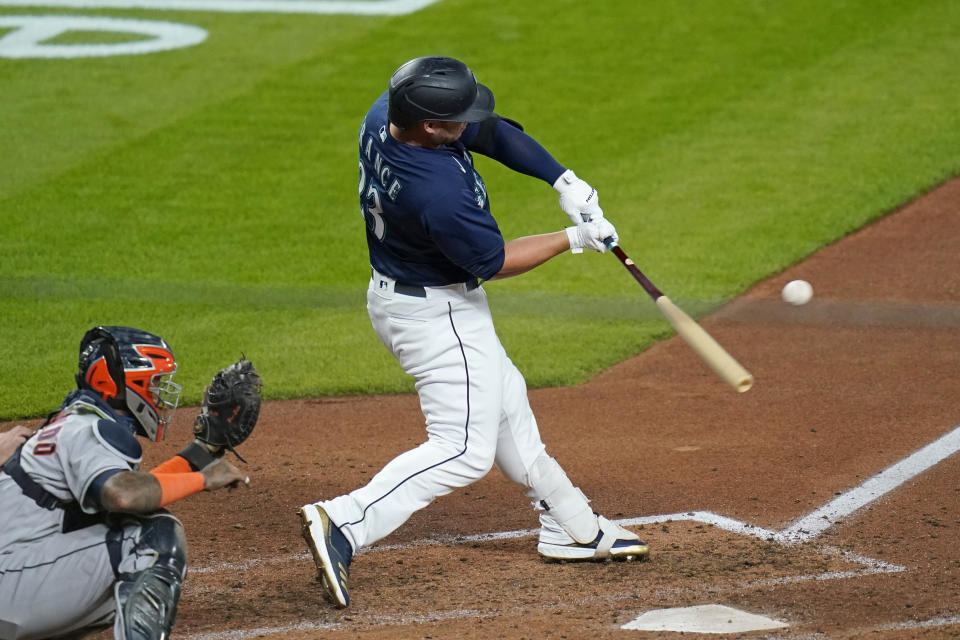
x,y
370,206
45,444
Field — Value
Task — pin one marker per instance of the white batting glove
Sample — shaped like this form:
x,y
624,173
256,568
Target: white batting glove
x,y
590,235
577,198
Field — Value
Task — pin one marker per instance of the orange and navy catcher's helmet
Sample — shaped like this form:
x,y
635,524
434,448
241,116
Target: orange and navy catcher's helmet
x,y
131,370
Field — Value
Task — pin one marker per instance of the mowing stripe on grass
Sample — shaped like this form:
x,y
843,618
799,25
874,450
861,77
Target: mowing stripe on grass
x,y
231,295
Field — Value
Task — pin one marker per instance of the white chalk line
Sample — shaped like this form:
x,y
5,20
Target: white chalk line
x,y
907,625
385,621
240,634
871,566
920,624
324,7
877,486
705,517
455,615
903,625
804,529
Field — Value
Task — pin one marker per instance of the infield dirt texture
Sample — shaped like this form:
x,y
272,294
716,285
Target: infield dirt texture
x,y
207,193
855,383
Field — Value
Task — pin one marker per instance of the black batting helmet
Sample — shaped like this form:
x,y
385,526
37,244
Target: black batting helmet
x,y
437,88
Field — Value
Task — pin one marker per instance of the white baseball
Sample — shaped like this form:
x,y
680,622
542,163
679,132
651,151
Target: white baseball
x,y
797,292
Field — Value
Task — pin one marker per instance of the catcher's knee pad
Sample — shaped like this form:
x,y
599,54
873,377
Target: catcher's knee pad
x,y
147,600
554,492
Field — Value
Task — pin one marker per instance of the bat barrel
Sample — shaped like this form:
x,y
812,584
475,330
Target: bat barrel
x,y
704,345
692,333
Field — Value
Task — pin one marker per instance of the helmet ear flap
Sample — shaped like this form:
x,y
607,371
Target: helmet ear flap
x,y
99,343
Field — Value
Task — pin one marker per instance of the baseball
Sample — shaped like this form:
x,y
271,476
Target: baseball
x,y
797,292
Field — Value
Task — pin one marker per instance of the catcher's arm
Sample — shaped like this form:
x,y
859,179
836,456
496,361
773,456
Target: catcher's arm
x,y
139,492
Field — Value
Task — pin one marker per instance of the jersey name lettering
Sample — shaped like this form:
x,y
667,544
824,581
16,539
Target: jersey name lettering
x,y
382,170
480,190
371,187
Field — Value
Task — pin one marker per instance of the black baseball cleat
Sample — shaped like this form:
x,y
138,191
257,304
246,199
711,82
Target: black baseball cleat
x,y
613,542
331,552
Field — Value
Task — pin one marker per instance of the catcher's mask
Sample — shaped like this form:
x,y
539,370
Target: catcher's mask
x,y
437,88
131,370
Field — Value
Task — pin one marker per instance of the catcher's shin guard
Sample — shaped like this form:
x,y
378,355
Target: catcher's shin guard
x,y
147,600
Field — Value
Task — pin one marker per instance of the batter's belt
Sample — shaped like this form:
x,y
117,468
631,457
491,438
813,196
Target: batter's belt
x,y
416,290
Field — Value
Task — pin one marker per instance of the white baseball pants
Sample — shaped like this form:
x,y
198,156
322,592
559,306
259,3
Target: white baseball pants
x,y
473,398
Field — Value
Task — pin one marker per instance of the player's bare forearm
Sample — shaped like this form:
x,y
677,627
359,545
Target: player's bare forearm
x,y
523,254
131,492
139,492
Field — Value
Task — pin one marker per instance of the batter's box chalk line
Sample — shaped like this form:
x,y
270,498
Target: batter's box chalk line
x,y
805,529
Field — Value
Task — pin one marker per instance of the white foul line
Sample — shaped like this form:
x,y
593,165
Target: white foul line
x,y
843,505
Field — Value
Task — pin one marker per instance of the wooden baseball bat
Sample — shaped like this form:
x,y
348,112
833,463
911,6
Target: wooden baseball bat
x,y
692,333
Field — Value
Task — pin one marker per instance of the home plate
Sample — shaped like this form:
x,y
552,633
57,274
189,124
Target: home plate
x,y
707,618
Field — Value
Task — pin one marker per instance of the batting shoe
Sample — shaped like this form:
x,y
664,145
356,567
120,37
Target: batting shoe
x,y
613,542
331,552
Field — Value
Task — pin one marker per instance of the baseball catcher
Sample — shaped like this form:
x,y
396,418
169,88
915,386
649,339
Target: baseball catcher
x,y
86,531
231,406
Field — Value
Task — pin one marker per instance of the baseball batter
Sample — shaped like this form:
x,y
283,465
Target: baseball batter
x,y
86,541
432,242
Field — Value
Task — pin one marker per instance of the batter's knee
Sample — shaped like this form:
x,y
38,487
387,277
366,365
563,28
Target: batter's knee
x,y
471,458
479,460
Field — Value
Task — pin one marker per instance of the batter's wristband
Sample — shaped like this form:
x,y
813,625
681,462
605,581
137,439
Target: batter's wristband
x,y
176,486
573,237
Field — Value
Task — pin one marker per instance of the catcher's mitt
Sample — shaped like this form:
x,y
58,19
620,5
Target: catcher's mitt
x,y
231,406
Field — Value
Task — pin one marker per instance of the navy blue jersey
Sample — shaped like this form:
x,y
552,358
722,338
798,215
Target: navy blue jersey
x,y
427,212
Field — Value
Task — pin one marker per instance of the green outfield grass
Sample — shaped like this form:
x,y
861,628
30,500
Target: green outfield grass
x,y
208,194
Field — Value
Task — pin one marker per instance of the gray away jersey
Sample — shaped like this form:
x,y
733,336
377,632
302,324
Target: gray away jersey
x,y
66,457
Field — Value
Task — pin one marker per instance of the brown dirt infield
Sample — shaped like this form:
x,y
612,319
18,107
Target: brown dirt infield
x,y
846,386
